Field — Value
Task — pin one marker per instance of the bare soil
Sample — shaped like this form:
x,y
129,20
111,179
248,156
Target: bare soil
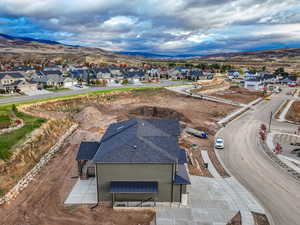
x,y
238,94
236,220
195,161
260,219
294,112
41,203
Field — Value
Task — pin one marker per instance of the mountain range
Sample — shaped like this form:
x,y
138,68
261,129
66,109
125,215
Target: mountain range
x,y
24,45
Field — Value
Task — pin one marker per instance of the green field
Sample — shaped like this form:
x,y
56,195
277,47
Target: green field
x,y
7,141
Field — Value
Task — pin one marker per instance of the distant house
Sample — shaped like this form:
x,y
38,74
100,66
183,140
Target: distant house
x,y
289,80
116,71
11,82
103,73
137,160
69,82
51,80
195,75
233,74
254,83
134,77
82,74
268,78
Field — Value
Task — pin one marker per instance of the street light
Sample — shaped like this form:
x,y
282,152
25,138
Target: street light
x,y
271,115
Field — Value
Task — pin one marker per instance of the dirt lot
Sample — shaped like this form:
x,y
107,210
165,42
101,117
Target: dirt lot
x,y
236,220
294,112
41,203
238,94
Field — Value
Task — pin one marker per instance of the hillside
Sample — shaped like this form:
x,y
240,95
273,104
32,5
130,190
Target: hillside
x,y
267,55
21,47
289,58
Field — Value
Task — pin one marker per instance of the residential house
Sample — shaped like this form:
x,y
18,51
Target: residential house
x,y
51,80
254,83
233,74
288,80
195,75
134,77
103,73
11,82
137,160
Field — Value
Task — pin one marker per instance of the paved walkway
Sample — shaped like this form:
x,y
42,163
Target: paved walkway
x,y
211,167
83,192
284,111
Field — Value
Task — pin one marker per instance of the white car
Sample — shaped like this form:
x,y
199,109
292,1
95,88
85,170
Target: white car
x,y
219,143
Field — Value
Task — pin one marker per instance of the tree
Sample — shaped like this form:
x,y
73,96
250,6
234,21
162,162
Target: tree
x,y
14,108
88,79
262,135
278,148
263,127
125,81
171,65
279,71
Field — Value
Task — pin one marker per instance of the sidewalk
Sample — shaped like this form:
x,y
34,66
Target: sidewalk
x,y
237,112
185,90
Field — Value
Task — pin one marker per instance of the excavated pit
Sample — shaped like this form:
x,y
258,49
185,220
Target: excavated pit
x,y
157,112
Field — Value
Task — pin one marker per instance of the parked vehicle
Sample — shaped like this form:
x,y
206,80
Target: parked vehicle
x,y
219,143
292,84
79,86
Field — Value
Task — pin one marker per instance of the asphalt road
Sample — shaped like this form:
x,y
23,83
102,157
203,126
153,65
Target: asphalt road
x,y
78,91
243,156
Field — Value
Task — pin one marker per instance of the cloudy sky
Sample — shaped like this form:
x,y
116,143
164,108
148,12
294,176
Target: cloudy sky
x,y
157,26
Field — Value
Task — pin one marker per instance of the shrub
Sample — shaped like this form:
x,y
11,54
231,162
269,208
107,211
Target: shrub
x,y
14,108
263,127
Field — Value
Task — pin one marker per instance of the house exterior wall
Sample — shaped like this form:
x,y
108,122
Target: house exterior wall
x,y
162,173
253,85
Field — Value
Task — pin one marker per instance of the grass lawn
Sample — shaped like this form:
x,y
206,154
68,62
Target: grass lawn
x,y
57,89
7,141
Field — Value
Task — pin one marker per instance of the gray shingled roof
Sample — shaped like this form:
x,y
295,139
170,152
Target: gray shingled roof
x,y
182,176
12,74
87,150
140,141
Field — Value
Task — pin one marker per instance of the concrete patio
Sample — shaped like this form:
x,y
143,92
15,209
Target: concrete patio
x,y
83,192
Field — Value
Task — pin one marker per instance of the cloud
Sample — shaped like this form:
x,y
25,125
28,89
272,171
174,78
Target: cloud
x,y
169,26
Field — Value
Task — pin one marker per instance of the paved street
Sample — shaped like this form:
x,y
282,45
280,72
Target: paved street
x,y
78,91
243,156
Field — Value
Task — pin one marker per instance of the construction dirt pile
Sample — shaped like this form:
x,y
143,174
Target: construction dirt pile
x,y
89,117
294,112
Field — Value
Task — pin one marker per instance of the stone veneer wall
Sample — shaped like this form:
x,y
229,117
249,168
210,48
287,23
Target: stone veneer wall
x,y
23,183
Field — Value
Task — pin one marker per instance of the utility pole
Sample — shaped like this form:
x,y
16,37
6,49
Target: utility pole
x,y
271,115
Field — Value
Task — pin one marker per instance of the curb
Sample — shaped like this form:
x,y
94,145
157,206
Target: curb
x,y
290,171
